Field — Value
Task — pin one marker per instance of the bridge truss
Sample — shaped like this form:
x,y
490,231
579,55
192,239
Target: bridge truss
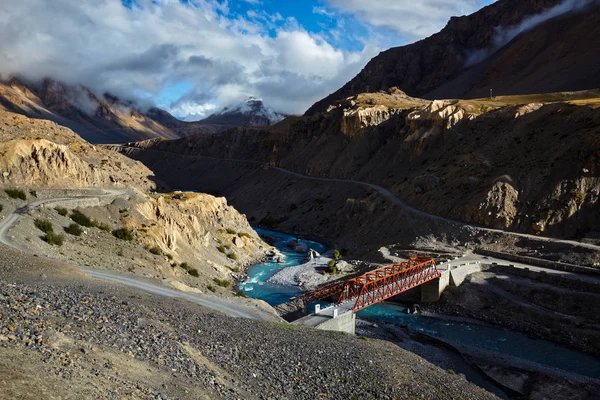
x,y
378,285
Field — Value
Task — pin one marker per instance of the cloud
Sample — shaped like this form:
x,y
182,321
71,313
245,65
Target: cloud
x,y
411,19
504,34
141,51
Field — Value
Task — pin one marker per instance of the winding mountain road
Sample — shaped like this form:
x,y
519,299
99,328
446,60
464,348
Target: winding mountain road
x,y
385,193
232,307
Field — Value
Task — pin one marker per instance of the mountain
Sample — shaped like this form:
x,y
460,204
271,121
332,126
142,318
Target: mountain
x,y
184,128
104,119
485,50
525,163
251,112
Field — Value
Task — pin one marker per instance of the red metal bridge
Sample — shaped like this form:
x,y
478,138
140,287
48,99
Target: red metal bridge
x,y
378,285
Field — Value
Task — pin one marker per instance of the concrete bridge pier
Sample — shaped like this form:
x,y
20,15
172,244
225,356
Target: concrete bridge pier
x,y
330,319
432,290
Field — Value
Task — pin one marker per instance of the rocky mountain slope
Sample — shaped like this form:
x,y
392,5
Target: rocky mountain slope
x,y
484,51
188,238
525,163
98,120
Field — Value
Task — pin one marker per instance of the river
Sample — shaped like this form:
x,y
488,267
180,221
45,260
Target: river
x,y
475,335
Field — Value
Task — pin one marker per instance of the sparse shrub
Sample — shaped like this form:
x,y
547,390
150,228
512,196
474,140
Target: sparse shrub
x,y
155,250
221,249
53,239
43,225
169,257
192,271
103,227
222,282
82,219
212,289
185,266
366,339
74,229
241,294
123,234
120,253
331,268
61,211
230,231
232,256
16,193
244,234
232,269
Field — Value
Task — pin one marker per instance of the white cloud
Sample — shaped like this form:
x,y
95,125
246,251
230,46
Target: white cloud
x,y
159,43
411,19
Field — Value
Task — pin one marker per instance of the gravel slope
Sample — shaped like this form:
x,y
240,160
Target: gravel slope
x,y
73,337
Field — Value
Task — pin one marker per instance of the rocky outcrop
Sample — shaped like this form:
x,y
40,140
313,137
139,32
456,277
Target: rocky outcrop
x,y
194,226
438,116
357,119
499,208
41,163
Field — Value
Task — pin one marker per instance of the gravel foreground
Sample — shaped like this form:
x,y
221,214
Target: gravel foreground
x,y
63,335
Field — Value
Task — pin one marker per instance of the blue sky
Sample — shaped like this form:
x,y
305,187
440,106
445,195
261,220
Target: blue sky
x,y
193,57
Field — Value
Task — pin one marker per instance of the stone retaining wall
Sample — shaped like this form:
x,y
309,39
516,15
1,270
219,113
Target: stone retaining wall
x,y
538,262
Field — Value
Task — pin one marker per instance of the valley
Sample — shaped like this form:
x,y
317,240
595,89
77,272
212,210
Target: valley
x,y
288,200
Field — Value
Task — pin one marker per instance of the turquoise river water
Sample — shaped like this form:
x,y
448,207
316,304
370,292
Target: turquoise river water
x,y
481,336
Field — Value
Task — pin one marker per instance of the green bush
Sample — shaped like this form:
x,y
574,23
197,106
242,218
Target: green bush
x,y
74,229
230,231
155,250
331,268
232,256
16,193
61,211
244,234
53,239
43,225
82,219
169,257
221,249
123,234
222,282
192,271
336,254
